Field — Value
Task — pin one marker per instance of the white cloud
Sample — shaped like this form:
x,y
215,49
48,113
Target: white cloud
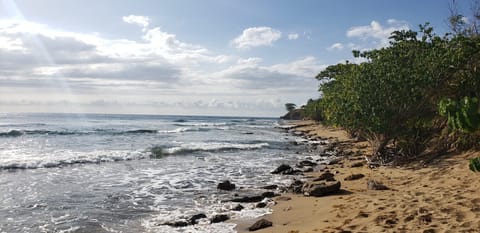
x,y
376,31
293,36
295,76
257,36
249,61
336,46
42,64
141,21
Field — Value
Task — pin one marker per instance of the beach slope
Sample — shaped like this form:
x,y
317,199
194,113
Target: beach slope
x,y
440,196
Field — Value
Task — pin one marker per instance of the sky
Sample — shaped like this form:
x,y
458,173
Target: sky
x,y
179,57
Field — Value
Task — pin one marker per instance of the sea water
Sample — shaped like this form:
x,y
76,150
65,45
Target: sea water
x,y
97,173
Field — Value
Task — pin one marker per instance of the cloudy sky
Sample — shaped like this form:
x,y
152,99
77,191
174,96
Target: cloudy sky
x,y
209,57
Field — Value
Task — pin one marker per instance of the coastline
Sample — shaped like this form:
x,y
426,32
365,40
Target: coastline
x,y
442,196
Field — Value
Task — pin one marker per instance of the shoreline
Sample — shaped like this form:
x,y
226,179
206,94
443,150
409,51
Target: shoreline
x,y
440,197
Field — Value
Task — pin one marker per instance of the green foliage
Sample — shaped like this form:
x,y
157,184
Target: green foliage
x,y
314,110
290,106
475,164
395,96
463,115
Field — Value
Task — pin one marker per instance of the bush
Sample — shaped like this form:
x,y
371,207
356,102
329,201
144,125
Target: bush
x,y
475,164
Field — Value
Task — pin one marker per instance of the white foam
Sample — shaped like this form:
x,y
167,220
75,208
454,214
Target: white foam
x,y
204,124
29,159
180,130
198,228
214,146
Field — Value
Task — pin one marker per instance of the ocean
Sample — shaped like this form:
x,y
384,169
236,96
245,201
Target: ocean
x,y
133,173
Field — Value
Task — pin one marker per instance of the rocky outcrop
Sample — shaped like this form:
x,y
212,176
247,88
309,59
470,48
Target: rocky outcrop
x,y
260,224
219,218
285,169
320,188
326,176
295,187
354,177
270,187
269,194
177,224
238,208
375,185
261,205
248,199
306,163
226,185
194,219
296,114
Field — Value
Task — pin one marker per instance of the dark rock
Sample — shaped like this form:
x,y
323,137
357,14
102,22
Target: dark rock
x,y
358,164
354,177
269,194
295,114
219,218
273,186
429,231
291,171
260,224
226,185
281,169
318,189
306,163
295,187
308,169
177,224
285,169
375,185
194,219
261,205
248,199
325,176
238,207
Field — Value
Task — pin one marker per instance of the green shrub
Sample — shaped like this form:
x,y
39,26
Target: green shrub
x,y
475,164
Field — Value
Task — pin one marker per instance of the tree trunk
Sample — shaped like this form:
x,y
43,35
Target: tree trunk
x,y
378,143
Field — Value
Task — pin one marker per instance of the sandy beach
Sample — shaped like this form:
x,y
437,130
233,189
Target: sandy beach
x,y
439,196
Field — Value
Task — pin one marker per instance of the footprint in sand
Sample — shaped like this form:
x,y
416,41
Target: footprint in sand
x,y
476,201
425,219
387,220
362,214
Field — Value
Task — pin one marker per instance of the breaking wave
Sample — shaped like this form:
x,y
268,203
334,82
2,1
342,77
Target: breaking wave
x,y
212,147
29,162
18,133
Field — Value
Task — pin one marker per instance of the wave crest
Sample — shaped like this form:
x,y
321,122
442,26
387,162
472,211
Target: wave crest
x,y
212,147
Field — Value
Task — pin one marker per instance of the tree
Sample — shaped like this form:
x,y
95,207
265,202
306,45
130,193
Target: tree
x,y
314,110
392,98
463,24
290,107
